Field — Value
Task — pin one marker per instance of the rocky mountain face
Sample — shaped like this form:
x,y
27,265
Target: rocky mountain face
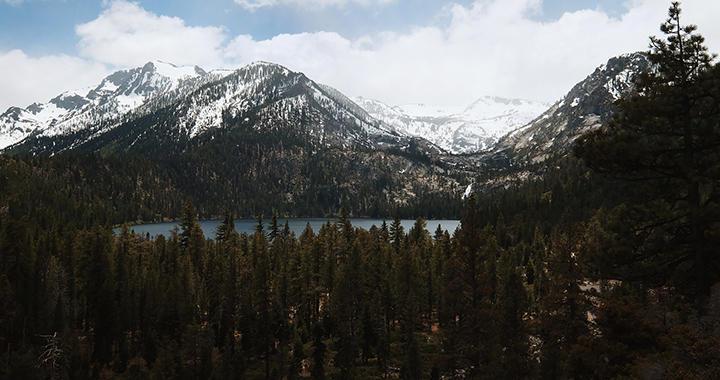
x,y
587,106
470,129
162,107
266,135
120,94
254,139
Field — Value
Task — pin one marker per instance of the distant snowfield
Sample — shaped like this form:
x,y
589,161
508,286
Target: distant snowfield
x,y
174,72
458,129
422,110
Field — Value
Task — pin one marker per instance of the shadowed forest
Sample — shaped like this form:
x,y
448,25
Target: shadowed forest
x,y
606,267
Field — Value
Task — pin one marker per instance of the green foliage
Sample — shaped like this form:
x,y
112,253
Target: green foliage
x,y
490,301
524,289
665,146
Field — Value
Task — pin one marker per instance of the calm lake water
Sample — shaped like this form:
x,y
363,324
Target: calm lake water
x,y
296,225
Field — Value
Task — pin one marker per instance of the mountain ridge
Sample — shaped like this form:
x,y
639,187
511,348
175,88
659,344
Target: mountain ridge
x,y
264,137
268,93
458,130
115,96
182,103
588,105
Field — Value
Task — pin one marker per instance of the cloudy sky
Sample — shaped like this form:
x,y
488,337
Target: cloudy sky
x,y
437,52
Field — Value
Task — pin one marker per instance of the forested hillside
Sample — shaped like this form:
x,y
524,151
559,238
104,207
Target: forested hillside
x,y
506,296
603,265
247,172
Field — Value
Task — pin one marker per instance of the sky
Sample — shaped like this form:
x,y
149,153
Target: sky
x,y
435,52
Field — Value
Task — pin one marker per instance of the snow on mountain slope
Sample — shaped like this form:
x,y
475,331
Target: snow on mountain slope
x,y
160,104
274,95
587,106
458,130
423,110
117,95
177,73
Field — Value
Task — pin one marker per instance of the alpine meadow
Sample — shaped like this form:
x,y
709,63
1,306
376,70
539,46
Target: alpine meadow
x,y
588,245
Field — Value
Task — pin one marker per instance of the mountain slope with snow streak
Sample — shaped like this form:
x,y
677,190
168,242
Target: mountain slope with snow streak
x,y
118,95
161,105
456,129
587,106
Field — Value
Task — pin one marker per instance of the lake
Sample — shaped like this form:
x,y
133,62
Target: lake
x,y
296,225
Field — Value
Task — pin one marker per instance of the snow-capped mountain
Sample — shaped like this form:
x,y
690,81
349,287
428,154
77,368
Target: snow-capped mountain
x,y
117,95
468,129
139,107
589,105
161,107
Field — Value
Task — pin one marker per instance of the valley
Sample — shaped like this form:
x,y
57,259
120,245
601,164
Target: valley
x,y
581,236
277,140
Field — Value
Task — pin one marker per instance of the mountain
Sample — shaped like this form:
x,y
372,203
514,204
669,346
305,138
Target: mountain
x,y
160,108
117,95
251,140
264,137
587,106
458,130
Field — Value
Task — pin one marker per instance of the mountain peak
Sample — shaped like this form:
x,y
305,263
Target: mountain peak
x,y
117,94
172,71
588,105
456,129
264,65
163,107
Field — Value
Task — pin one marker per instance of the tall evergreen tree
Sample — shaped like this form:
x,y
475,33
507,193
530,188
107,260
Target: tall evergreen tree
x,y
563,316
263,297
470,291
512,305
192,240
397,233
665,144
226,228
317,369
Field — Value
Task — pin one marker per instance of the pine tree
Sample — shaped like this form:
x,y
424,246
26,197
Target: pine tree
x,y
665,145
317,369
274,227
512,305
98,288
563,317
226,228
191,237
397,233
346,310
470,292
263,297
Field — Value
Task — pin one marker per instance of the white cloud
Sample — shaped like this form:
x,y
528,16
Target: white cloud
x,y
308,4
26,80
127,35
493,47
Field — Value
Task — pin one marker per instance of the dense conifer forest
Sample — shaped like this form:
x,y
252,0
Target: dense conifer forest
x,y
513,293
605,267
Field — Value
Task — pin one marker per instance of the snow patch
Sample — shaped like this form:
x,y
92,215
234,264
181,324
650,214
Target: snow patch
x,y
468,191
174,72
130,102
617,85
458,129
108,86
